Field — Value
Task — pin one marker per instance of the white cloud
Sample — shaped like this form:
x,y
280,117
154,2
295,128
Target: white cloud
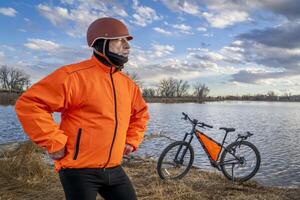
x,y
225,18
67,1
233,54
208,34
155,64
9,48
143,15
192,50
162,50
183,28
56,15
163,31
22,30
42,45
219,14
187,6
202,29
237,42
77,17
8,12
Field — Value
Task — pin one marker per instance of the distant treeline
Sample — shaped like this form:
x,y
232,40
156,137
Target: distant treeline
x,y
14,81
260,97
9,98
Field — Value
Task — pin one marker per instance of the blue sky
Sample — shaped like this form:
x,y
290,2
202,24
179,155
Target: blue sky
x,y
234,47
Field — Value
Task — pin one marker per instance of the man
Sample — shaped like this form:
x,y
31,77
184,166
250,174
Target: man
x,y
103,116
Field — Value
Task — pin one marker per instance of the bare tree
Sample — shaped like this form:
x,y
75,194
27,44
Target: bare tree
x,y
4,74
181,88
167,87
201,90
271,94
12,79
149,92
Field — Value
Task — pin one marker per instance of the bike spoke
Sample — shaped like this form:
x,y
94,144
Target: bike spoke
x,y
241,162
171,166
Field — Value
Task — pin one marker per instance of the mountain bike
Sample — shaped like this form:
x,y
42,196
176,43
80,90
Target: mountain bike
x,y
239,161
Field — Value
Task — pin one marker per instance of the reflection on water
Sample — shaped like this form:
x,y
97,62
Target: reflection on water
x,y
275,126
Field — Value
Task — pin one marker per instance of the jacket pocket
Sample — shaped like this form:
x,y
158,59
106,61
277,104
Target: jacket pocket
x,y
77,144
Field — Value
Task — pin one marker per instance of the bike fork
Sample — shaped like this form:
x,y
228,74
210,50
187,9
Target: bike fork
x,y
184,151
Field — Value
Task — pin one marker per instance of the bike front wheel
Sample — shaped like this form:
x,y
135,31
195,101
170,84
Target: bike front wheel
x,y
175,161
240,161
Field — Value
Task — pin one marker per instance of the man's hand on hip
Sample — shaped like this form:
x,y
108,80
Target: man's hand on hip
x,y
58,154
128,149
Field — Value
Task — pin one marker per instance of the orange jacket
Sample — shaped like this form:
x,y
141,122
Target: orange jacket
x,y
101,110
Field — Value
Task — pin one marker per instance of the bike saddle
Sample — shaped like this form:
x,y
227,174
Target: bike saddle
x,y
227,129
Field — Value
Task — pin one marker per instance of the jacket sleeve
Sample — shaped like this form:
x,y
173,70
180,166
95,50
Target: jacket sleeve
x,y
138,120
34,109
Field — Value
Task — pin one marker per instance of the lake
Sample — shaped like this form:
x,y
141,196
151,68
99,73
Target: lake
x,y
275,126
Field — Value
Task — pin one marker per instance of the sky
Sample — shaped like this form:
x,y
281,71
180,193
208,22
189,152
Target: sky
x,y
235,47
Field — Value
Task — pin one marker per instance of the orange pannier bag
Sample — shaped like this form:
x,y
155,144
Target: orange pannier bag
x,y
213,148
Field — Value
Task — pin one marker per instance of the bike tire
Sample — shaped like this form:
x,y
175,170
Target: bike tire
x,y
167,151
234,146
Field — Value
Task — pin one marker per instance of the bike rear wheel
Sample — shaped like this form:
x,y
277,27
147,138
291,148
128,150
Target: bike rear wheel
x,y
240,161
175,161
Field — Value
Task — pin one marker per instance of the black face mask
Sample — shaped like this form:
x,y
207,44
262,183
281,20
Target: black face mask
x,y
114,58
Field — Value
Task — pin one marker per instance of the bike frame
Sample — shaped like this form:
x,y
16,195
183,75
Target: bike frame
x,y
213,163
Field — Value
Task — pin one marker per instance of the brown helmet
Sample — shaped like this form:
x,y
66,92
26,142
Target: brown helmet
x,y
106,28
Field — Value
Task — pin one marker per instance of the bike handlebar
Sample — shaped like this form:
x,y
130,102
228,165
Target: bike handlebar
x,y
209,126
195,121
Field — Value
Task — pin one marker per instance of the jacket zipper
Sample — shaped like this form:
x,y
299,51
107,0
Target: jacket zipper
x,y
77,144
116,118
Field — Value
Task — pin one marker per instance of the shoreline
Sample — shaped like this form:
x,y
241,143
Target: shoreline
x,y
12,102
14,146
9,98
24,175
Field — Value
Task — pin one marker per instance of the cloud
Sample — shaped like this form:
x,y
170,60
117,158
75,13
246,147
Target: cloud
x,y
152,72
56,15
276,48
9,48
284,36
143,15
245,76
189,6
202,29
8,12
48,53
222,14
225,19
162,50
219,14
42,45
183,28
67,1
158,52
77,16
160,62
226,56
163,31
287,8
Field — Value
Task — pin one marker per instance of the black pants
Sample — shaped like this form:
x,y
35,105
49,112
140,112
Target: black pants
x,y
84,184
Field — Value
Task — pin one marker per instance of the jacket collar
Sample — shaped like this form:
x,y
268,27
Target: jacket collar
x,y
104,67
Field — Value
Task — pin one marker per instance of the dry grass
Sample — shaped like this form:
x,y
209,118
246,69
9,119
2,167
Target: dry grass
x,y
24,175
